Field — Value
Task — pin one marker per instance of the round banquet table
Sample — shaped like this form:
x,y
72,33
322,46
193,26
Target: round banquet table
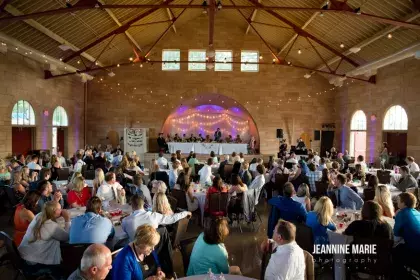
x,y
226,276
200,194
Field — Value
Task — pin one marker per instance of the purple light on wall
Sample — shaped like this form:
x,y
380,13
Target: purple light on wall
x,y
372,140
44,131
343,135
181,109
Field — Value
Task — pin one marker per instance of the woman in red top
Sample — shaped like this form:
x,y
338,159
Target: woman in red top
x,y
217,187
24,214
80,194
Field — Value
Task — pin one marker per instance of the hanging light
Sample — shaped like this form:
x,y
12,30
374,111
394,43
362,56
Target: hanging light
x,y
389,36
342,46
358,11
325,7
299,51
204,6
219,5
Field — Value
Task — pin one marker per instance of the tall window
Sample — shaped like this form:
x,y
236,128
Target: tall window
x,y
358,134
60,117
247,58
197,55
223,57
171,55
23,113
396,119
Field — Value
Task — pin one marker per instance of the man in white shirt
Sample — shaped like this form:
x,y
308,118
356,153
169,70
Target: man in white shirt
x,y
412,165
206,176
111,189
61,159
33,165
162,161
288,259
142,217
117,159
173,174
317,158
79,163
253,166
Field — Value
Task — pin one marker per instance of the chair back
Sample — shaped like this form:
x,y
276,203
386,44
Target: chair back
x,y
162,176
304,237
333,198
84,168
368,194
71,255
280,180
12,251
321,188
227,171
309,266
384,176
63,174
186,247
180,231
218,202
181,199
173,202
265,259
89,174
11,196
197,167
132,173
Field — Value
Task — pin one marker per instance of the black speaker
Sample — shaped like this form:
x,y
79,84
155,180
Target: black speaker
x,y
279,133
317,135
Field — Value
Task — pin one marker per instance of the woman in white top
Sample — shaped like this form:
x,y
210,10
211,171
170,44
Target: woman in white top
x,y
158,187
132,166
183,183
142,189
40,247
258,181
303,196
206,176
412,165
214,158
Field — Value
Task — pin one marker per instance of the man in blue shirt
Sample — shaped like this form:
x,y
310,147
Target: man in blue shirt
x,y
91,227
346,197
407,226
288,209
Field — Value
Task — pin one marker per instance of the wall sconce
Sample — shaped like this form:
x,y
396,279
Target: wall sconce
x,y
373,117
45,113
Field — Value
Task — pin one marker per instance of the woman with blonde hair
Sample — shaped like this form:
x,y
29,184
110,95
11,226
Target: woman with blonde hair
x,y
154,167
4,173
55,166
124,163
99,179
321,219
18,184
132,166
303,196
383,198
129,263
40,247
79,195
75,175
162,205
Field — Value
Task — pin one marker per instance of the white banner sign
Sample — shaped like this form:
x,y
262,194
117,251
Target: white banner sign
x,y
135,139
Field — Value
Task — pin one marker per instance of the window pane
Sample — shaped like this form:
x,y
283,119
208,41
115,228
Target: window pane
x,y
396,119
223,56
23,114
60,117
197,56
358,121
249,56
171,55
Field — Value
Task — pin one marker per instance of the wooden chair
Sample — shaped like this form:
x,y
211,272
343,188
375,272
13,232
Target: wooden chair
x,y
227,172
218,203
265,259
333,198
180,231
384,176
304,237
162,176
181,199
173,202
71,255
321,188
89,174
309,266
13,256
368,194
279,181
186,247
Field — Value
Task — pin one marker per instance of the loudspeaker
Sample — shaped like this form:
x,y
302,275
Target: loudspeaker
x,y
279,133
317,135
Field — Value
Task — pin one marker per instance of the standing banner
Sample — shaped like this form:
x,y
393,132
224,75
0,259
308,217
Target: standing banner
x,y
135,139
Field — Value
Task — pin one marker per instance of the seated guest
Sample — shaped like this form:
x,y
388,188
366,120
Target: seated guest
x,y
183,184
95,264
346,197
238,139
205,173
142,189
130,261
61,159
79,163
341,161
349,182
359,174
190,156
279,169
184,138
361,160
373,182
290,210
154,167
162,205
383,198
237,185
229,139
18,184
288,260
407,180
100,161
303,196
235,202
40,247
300,175
253,166
132,166
200,138
168,138
241,157
209,251
214,158
158,187
371,224
117,158
412,165
141,217
55,166
24,214
244,173
235,157
217,187
222,166
44,174
208,139
317,159
321,219
80,194
192,138
192,162
177,138
91,227
163,146
313,175
110,189
322,164
173,174
98,181
33,164
259,180
407,226
46,191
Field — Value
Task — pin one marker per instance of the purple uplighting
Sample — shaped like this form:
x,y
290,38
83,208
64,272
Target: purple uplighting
x,y
44,131
343,135
372,140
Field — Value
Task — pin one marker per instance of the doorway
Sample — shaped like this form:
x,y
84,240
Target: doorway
x,y
397,146
58,140
306,139
358,144
327,141
22,140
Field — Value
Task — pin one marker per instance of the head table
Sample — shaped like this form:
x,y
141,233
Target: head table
x,y
206,148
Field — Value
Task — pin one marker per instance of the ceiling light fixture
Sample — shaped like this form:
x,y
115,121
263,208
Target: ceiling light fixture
x,y
307,76
261,57
118,65
204,6
219,5
342,46
111,74
389,36
299,51
325,7
131,59
358,11
355,49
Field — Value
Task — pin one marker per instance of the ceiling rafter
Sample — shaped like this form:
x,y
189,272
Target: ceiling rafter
x,y
3,5
253,16
211,12
171,17
320,56
77,8
304,33
118,30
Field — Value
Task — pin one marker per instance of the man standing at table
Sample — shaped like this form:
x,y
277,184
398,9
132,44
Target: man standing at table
x,y
217,135
346,197
162,143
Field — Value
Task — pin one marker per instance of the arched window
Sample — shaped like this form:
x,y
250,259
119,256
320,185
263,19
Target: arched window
x,y
358,121
395,119
23,113
60,117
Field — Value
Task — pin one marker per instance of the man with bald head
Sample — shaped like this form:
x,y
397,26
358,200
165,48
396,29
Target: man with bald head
x,y
95,264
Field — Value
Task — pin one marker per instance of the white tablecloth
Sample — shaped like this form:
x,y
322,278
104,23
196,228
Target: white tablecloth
x,y
227,277
206,148
200,194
